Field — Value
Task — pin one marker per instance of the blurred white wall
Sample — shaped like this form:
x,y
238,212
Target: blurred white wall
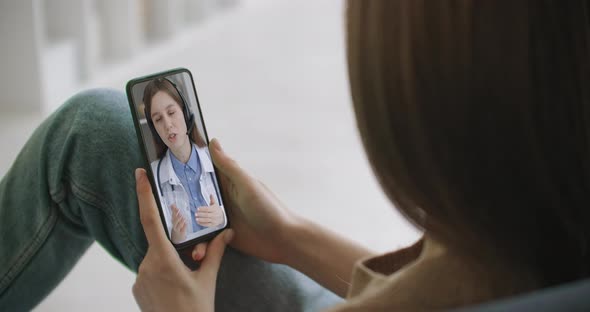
x,y
20,60
51,48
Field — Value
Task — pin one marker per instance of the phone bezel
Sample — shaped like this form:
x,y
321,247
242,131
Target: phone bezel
x,y
148,167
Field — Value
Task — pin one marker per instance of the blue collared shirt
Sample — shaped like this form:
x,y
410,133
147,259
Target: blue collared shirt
x,y
189,175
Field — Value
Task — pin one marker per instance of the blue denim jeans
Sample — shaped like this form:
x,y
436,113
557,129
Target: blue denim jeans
x,y
73,183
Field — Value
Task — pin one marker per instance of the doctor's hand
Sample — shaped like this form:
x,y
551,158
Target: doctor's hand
x,y
178,225
163,282
211,215
261,223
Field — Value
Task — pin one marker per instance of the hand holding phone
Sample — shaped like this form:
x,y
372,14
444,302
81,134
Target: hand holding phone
x,y
163,282
263,225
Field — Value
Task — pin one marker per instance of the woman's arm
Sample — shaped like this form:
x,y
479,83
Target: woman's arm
x,y
323,255
266,229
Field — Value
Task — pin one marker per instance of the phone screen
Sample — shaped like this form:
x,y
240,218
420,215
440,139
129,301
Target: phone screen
x,y
172,132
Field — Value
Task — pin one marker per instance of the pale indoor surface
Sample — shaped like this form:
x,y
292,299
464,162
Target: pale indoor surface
x,y
272,82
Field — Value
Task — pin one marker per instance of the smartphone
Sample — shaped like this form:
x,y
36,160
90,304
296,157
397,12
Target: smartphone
x,y
175,145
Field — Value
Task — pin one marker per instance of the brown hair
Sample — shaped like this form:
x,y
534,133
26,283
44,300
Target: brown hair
x,y
475,116
153,87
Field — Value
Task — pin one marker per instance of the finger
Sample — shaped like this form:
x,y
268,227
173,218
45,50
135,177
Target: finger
x,y
178,221
215,250
199,251
209,209
210,223
175,212
226,164
202,221
207,221
177,224
148,211
205,210
204,217
228,187
205,214
212,200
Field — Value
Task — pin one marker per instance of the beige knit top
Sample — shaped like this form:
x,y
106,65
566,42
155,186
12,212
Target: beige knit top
x,y
427,277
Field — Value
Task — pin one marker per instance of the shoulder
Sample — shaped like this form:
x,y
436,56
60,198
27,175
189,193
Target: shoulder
x,y
203,152
436,279
201,149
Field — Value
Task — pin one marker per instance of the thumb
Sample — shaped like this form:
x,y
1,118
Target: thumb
x,y
211,200
226,164
215,250
148,211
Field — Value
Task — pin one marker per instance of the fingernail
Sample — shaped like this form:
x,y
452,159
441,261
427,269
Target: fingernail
x,y
228,236
137,174
195,254
218,146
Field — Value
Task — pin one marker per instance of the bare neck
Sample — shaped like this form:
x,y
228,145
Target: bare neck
x,y
183,153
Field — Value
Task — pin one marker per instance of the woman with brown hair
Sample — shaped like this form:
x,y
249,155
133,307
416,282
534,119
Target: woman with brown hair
x,y
475,116
184,171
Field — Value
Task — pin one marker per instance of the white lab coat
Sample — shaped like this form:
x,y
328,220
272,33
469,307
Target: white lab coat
x,y
174,192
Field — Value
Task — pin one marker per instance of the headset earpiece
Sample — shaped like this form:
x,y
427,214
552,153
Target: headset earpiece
x,y
189,117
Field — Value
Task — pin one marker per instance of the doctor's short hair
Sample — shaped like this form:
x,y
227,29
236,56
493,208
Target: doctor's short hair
x,y
155,86
475,117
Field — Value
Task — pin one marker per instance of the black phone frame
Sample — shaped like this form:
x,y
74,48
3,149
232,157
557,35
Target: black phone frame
x,y
136,122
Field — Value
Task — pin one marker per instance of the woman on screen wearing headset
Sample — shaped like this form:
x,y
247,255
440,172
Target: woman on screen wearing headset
x,y
184,171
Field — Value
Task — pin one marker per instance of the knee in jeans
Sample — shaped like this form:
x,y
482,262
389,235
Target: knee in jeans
x,y
101,114
96,104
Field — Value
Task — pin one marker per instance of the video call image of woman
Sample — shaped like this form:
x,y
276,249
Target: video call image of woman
x,y
184,170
